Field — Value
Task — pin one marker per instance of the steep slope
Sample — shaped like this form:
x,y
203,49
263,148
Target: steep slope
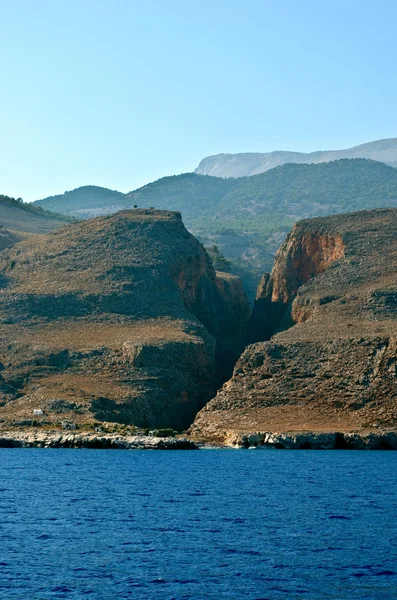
x,y
252,163
23,219
248,218
117,318
8,238
332,296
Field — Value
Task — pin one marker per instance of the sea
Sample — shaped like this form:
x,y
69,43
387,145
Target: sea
x,y
196,525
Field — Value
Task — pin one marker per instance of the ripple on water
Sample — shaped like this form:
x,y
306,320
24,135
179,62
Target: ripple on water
x,y
198,525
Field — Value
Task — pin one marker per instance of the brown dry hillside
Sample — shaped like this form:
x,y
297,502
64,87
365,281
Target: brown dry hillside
x,y
8,238
19,221
24,219
117,318
332,366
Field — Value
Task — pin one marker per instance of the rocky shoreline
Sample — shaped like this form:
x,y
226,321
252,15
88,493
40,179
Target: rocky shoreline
x,y
382,440
56,439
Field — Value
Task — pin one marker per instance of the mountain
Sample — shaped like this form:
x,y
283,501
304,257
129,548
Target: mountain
x,y
248,218
331,365
23,219
251,163
191,194
83,202
119,318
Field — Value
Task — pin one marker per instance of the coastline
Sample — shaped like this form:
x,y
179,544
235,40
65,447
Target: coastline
x,y
309,440
57,439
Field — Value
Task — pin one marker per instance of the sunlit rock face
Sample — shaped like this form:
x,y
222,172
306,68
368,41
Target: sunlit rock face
x,y
331,365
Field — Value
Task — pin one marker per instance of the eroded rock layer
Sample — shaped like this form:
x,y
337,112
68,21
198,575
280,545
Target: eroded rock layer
x,y
332,366
117,318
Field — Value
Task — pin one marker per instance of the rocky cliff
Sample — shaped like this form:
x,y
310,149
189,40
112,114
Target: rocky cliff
x,y
118,318
303,256
247,218
332,364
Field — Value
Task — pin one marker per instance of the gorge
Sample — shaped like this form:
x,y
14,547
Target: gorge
x,y
330,366
122,319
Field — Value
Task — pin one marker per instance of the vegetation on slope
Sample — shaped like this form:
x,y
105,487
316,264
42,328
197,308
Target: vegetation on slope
x,y
293,190
270,202
247,218
80,199
33,208
18,216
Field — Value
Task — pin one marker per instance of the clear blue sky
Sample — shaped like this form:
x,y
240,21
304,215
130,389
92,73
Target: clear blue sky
x,y
121,92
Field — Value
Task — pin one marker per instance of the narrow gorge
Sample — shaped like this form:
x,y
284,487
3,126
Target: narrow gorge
x,y
123,319
331,365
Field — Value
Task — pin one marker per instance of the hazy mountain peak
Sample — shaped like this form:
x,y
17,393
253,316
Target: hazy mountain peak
x,y
251,163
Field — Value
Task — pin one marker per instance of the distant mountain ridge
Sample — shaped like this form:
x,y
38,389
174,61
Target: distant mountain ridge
x,y
248,217
251,163
77,201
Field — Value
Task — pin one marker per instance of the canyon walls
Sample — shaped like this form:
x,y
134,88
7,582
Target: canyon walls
x,y
331,366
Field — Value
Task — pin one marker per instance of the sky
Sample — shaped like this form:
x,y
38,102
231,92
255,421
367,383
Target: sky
x,y
119,93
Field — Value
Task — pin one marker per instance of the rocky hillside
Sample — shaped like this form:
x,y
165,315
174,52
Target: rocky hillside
x,y
251,163
248,218
331,301
118,318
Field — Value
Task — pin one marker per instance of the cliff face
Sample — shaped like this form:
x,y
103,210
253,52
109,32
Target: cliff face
x,y
302,257
332,367
232,291
233,322
118,318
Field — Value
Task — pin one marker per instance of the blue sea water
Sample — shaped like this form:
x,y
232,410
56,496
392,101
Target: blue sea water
x,y
213,524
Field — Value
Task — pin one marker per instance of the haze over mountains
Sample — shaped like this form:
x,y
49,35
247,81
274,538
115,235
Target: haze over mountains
x,y
25,219
19,220
247,217
251,163
83,202
123,319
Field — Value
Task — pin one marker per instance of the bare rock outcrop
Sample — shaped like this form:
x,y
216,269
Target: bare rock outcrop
x,y
310,440
113,441
331,366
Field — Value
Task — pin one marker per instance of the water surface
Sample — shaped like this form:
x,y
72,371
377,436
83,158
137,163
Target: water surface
x,y
214,524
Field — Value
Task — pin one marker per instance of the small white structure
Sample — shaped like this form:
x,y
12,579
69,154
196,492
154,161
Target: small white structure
x,y
38,411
